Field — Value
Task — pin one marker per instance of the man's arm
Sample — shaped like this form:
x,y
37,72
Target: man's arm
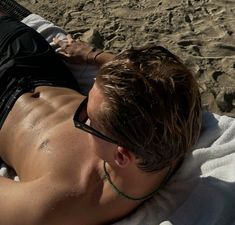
x,y
79,52
22,203
99,57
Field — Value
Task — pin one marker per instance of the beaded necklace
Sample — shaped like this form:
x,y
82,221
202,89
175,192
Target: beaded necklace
x,y
115,188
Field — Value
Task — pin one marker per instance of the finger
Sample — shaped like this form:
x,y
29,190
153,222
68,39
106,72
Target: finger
x,y
57,50
61,43
65,56
70,39
62,51
55,40
79,41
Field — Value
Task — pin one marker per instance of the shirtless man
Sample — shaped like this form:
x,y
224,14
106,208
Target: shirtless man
x,y
88,161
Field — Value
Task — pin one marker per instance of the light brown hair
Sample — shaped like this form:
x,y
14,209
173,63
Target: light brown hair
x,y
153,105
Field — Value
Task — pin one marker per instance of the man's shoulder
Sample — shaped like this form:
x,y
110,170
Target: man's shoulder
x,y
66,201
51,200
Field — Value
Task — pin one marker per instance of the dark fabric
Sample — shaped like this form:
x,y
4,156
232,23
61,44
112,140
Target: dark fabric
x,y
27,61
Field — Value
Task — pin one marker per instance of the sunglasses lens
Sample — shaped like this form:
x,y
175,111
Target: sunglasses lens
x,y
81,113
80,119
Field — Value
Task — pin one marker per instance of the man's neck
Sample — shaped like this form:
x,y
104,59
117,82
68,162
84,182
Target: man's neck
x,y
134,184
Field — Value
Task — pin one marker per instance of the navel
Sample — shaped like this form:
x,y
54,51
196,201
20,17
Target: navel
x,y
35,95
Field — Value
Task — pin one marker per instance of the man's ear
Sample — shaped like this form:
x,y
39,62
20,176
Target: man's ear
x,y
122,157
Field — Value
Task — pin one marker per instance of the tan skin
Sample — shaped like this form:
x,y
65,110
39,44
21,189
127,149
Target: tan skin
x,y
61,167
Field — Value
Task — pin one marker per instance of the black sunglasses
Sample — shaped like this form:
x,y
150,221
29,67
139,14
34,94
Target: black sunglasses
x,y
80,118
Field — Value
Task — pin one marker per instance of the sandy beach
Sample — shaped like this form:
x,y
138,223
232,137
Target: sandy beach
x,y
200,32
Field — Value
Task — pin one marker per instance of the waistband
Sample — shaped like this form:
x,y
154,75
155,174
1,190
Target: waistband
x,y
21,86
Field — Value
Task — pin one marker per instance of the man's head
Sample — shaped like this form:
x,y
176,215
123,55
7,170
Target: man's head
x,y
152,105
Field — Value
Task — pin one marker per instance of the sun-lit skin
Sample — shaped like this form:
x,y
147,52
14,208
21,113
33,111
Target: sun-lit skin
x,y
52,152
60,166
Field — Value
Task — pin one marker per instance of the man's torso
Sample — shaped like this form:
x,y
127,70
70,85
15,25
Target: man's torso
x,y
38,139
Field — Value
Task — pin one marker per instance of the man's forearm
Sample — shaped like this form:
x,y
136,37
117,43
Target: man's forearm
x,y
99,57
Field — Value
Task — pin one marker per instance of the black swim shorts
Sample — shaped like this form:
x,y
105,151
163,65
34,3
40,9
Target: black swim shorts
x,y
27,61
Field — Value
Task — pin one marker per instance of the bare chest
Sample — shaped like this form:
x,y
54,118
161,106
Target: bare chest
x,y
38,139
39,130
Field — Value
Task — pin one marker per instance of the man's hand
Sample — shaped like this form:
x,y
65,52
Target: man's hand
x,y
79,52
74,51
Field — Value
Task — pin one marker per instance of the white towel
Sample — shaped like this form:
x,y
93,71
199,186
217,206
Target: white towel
x,y
202,192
